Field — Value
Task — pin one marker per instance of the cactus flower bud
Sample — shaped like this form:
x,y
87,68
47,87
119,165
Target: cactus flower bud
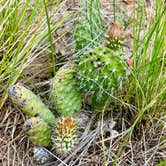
x,y
64,136
115,36
129,61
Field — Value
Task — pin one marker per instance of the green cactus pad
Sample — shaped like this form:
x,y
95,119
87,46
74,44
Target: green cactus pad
x,y
38,131
64,135
100,72
64,93
30,104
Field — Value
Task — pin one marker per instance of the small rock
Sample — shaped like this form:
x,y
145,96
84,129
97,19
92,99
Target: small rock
x,y
41,155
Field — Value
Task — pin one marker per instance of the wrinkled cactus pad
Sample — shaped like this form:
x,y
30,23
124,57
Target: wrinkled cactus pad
x,y
64,91
64,136
38,131
30,104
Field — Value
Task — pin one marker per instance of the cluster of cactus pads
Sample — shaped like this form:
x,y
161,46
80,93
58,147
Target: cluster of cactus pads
x,y
99,71
67,100
43,128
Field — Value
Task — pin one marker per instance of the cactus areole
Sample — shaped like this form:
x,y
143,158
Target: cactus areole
x,y
30,104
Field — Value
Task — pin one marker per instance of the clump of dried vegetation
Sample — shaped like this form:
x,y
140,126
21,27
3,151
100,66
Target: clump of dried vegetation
x,y
38,37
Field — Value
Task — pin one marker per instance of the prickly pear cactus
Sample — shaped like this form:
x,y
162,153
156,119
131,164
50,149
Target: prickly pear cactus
x,y
64,136
100,72
30,103
38,131
115,36
64,93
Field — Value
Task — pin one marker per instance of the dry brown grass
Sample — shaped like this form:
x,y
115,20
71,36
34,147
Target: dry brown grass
x,y
17,150
14,145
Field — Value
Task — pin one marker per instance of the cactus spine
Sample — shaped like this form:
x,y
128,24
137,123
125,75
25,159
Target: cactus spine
x,y
64,136
38,131
30,103
64,93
